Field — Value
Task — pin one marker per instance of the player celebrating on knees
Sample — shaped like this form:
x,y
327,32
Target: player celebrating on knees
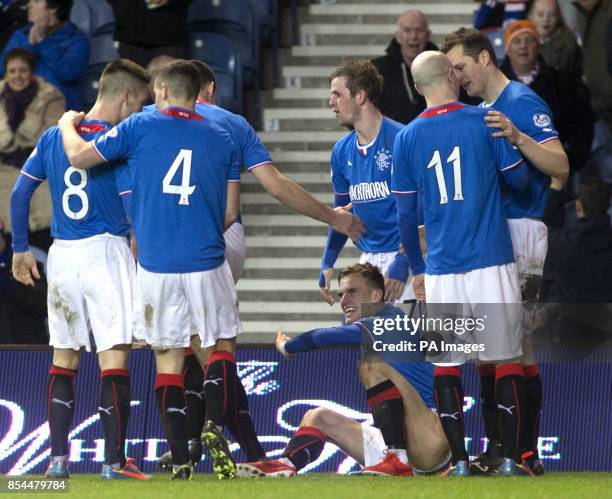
x,y
448,156
91,271
399,395
535,136
361,165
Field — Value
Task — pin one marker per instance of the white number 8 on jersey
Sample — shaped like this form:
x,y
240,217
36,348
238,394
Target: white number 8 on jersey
x,y
75,190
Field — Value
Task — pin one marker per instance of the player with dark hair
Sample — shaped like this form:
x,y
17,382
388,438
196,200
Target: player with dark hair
x,y
533,133
252,156
90,269
399,396
361,165
447,155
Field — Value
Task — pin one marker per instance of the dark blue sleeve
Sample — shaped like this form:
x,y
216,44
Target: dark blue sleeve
x,y
409,231
20,211
331,336
335,240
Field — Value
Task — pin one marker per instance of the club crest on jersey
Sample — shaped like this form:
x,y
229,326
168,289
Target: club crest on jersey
x,y
541,120
383,159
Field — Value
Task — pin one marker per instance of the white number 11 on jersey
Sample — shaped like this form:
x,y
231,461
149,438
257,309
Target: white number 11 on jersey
x,y
436,164
184,190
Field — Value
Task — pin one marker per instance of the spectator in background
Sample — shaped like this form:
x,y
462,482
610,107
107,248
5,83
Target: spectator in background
x,y
13,15
497,14
558,45
28,106
578,267
594,18
146,29
400,101
567,97
61,50
23,309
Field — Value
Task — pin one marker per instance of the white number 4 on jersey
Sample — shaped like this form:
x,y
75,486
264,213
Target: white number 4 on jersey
x,y
184,190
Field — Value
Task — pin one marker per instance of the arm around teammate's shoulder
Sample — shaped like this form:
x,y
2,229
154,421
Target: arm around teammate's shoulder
x,y
80,153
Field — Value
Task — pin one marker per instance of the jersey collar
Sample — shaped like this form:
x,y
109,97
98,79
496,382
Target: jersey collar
x,y
93,126
443,109
179,112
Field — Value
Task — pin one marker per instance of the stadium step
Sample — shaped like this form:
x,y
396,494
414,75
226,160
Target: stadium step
x,y
279,286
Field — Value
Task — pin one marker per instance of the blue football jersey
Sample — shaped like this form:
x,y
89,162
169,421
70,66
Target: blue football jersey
x,y
179,164
418,374
532,116
249,149
85,202
364,172
448,156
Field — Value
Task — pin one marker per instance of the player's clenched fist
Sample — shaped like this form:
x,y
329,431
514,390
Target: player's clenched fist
x,y
325,284
281,339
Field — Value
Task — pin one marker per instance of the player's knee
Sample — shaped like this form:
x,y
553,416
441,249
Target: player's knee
x,y
369,373
315,417
114,358
66,358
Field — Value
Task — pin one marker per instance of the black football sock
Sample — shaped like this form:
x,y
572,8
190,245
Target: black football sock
x,y
387,408
448,393
510,396
114,412
60,407
488,406
305,446
219,386
170,397
240,424
193,374
533,409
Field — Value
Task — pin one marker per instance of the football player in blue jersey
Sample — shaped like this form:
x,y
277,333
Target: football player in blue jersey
x,y
253,157
361,165
399,394
181,281
448,156
91,272
526,121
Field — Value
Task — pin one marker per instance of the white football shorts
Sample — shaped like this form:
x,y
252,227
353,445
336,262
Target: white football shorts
x,y
382,261
91,286
179,305
499,284
235,249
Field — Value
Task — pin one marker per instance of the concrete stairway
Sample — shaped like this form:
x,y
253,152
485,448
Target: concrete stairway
x,y
278,289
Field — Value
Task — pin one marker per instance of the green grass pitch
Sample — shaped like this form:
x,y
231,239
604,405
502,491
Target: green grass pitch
x,y
319,485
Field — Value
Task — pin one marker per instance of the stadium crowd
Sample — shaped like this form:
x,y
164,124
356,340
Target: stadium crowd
x,y
541,138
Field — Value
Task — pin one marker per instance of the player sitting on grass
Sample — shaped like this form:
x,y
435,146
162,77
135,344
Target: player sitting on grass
x,y
399,395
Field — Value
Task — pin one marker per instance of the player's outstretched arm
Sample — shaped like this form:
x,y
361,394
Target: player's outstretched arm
x,y
80,153
295,197
349,334
549,158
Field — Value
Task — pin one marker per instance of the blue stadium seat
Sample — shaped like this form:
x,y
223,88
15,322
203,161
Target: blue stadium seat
x,y
103,49
234,19
89,86
497,40
266,12
218,52
93,17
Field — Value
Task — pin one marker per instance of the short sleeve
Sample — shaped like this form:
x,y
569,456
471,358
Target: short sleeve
x,y
34,167
533,117
505,154
253,151
402,175
123,180
340,183
234,172
116,143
